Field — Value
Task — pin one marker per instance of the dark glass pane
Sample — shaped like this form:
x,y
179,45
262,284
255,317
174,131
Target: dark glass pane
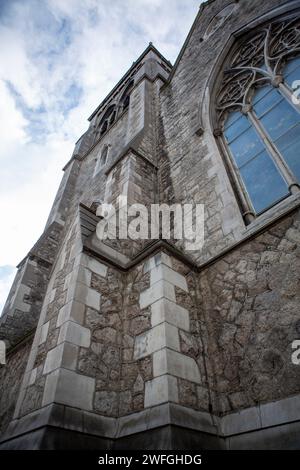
x,y
264,183
112,118
261,92
289,147
239,126
280,119
126,102
292,77
232,117
246,146
267,102
104,127
291,66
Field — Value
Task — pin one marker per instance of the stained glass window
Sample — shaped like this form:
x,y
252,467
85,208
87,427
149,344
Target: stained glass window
x,y
260,174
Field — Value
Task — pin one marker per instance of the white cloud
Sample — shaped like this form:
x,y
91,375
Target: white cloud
x,y
12,121
47,49
16,66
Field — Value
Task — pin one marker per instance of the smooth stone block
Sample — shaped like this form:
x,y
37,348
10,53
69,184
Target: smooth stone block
x,y
44,332
75,334
161,336
69,388
165,310
161,390
71,311
160,289
163,272
171,362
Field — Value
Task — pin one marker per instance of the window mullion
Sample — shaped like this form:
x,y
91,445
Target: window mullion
x,y
247,208
290,96
288,176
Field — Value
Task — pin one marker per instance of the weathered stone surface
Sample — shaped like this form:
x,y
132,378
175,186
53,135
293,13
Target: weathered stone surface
x,y
189,344
106,335
11,376
106,403
140,323
251,313
90,364
138,385
125,402
187,392
33,397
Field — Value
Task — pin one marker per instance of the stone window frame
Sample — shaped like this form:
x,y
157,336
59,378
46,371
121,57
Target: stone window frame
x,y
241,74
100,163
125,98
108,119
113,111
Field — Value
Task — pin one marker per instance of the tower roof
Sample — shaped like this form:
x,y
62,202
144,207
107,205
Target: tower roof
x,y
149,48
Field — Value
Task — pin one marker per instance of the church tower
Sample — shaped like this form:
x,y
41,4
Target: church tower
x,y
127,344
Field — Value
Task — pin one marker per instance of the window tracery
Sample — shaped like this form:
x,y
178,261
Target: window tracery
x,y
257,117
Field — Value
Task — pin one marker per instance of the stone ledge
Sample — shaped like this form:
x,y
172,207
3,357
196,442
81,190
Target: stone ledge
x,y
162,415
262,416
106,254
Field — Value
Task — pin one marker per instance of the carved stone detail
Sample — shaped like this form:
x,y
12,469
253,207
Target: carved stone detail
x,y
257,61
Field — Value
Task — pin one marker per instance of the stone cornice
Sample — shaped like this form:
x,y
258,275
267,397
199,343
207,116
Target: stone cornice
x,y
105,252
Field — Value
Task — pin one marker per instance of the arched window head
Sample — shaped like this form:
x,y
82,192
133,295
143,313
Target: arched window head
x,y
112,118
257,117
104,127
107,120
110,115
125,98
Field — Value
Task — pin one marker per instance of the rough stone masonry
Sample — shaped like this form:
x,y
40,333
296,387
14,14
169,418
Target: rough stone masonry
x,y
138,344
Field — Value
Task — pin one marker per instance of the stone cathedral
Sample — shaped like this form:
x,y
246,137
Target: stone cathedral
x,y
142,344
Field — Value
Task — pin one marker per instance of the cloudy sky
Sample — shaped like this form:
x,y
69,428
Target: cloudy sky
x,y
58,60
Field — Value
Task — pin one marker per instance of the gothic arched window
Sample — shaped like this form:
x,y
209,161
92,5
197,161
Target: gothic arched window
x,y
125,98
107,120
258,116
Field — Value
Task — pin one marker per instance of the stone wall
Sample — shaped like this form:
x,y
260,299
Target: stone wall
x,y
91,187
191,166
22,308
86,335
11,376
174,340
119,379
250,306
